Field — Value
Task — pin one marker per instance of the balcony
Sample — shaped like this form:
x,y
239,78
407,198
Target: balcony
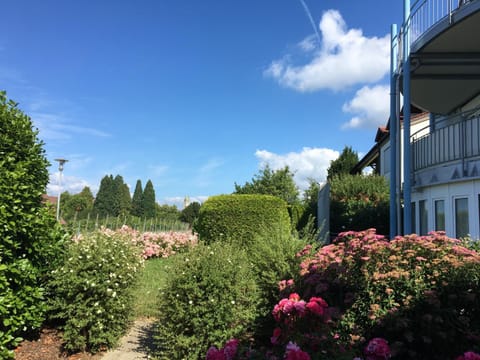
x,y
444,43
450,152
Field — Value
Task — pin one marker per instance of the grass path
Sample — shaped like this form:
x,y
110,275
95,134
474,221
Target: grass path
x,y
148,291
137,344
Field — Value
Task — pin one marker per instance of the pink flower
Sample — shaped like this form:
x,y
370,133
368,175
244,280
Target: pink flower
x,y
469,355
289,307
294,297
214,354
230,349
317,306
293,352
300,307
377,349
276,334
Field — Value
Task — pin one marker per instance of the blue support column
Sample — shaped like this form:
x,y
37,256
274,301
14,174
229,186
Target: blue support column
x,y
432,122
393,132
407,185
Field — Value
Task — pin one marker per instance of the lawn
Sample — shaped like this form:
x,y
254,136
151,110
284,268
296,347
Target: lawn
x,y
148,290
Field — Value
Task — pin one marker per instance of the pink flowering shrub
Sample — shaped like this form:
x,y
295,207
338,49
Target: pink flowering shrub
x,y
156,244
377,349
228,352
469,355
419,292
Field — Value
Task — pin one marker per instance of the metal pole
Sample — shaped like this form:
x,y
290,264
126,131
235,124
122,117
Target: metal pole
x,y
407,186
59,194
393,133
61,162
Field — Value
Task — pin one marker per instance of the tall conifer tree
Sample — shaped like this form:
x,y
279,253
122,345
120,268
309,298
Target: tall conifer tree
x,y
148,201
105,201
137,209
122,197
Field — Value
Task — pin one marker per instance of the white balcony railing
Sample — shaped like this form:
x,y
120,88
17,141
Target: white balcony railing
x,y
424,14
457,141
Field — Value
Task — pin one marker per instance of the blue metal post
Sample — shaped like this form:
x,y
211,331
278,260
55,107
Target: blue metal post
x,y
393,132
432,122
407,186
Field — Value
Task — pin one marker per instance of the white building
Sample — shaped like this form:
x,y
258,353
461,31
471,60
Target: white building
x,y
435,178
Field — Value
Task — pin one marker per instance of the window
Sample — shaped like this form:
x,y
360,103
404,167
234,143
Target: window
x,y
461,218
385,167
439,215
423,213
414,218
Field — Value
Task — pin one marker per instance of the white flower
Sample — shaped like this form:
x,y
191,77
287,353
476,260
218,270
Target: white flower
x,y
233,302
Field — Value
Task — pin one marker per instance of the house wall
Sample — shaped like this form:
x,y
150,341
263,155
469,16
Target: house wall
x,y
449,193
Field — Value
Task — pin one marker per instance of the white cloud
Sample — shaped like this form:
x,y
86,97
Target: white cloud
x,y
71,184
178,201
346,58
308,44
370,107
310,163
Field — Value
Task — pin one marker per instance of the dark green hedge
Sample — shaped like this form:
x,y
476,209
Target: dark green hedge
x,y
30,239
241,217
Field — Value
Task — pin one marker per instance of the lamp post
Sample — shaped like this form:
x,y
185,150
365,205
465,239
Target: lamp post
x,y
61,162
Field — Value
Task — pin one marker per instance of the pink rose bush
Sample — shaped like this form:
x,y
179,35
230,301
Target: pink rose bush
x,y
469,355
293,352
377,349
228,352
155,244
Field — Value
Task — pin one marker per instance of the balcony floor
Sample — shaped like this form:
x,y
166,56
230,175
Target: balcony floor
x,y
445,62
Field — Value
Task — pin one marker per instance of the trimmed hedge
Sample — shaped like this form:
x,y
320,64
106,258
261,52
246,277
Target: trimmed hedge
x,y
241,217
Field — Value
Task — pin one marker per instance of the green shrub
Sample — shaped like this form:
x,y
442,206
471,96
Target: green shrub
x,y
359,202
241,217
93,290
30,239
210,296
273,257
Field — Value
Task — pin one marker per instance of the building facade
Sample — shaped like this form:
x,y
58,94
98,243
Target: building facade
x,y
434,159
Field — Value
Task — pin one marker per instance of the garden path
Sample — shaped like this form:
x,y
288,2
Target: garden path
x,y
136,345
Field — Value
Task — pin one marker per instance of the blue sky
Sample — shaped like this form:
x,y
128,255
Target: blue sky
x,y
197,95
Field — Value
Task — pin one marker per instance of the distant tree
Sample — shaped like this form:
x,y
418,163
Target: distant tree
x,y
190,213
310,204
76,206
87,196
359,202
123,202
137,209
105,201
148,200
343,164
278,183
167,212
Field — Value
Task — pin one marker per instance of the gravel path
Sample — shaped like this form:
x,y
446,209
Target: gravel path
x,y
136,345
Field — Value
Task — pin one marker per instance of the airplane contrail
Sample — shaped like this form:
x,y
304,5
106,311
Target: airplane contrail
x,y
309,15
